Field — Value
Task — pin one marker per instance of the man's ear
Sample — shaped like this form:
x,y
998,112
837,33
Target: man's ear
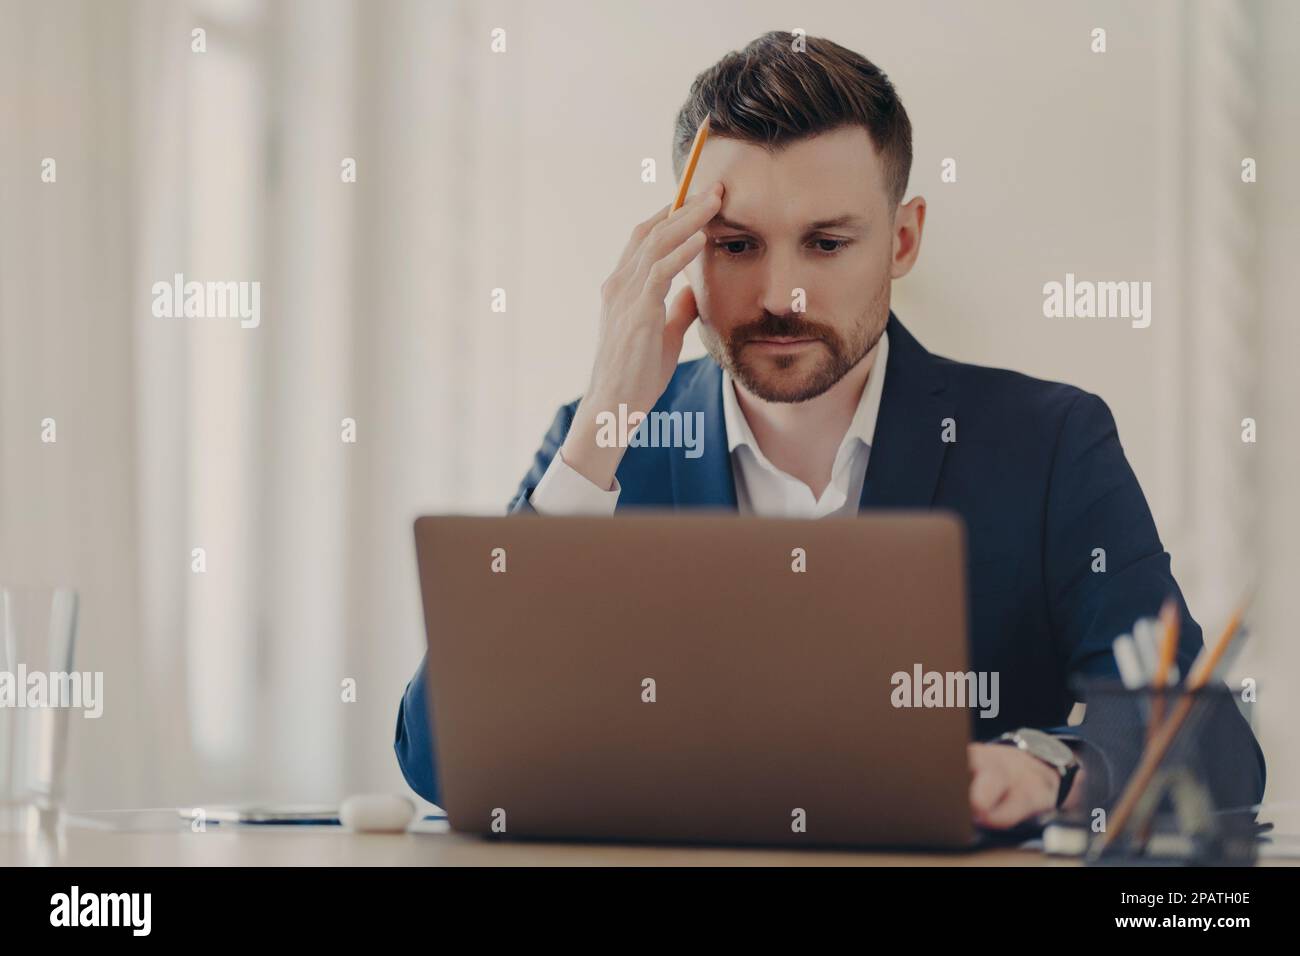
x,y
909,221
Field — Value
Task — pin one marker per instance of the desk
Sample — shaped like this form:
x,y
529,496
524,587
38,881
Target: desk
x,y
333,846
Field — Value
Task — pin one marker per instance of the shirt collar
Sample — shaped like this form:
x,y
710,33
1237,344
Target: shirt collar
x,y
861,428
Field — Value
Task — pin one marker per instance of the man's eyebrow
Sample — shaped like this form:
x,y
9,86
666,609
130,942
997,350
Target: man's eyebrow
x,y
848,219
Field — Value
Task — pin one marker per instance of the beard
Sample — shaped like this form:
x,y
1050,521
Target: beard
x,y
803,375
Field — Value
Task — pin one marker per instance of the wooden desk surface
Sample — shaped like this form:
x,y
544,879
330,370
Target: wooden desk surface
x,y
431,845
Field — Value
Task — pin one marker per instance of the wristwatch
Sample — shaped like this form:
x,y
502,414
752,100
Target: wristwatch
x,y
1048,748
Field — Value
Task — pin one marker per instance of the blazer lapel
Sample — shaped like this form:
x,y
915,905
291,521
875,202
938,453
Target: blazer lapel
x,y
704,482
907,451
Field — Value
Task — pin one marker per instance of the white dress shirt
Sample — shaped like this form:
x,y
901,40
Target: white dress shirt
x,y
761,487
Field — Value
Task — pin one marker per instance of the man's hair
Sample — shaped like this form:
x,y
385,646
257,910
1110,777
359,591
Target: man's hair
x,y
770,94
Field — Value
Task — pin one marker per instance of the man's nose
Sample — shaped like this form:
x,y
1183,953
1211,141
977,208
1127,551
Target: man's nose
x,y
779,281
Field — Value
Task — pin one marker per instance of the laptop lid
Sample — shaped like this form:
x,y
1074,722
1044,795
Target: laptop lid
x,y
699,678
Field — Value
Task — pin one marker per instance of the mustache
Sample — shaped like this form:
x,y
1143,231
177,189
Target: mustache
x,y
772,326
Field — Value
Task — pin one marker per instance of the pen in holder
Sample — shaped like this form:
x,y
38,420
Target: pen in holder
x,y
1167,810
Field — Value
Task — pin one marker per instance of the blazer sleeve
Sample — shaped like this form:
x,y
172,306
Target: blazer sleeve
x,y
414,743
1096,510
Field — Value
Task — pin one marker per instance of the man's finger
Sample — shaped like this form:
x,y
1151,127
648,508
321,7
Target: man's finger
x,y
639,232
660,277
986,790
1019,803
682,311
668,235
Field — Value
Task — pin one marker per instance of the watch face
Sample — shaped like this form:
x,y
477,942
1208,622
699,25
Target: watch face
x,y
1046,747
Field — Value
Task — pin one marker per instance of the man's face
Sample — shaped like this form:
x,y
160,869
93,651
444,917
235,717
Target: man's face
x,y
814,216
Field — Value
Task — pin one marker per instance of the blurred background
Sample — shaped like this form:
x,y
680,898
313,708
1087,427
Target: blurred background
x,y
521,170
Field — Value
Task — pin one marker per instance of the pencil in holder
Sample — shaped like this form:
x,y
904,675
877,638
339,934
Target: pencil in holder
x,y
1181,807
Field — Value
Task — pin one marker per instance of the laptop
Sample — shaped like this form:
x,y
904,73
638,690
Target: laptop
x,y
701,678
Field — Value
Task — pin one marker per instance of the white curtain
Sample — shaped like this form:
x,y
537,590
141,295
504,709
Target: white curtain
x,y
183,434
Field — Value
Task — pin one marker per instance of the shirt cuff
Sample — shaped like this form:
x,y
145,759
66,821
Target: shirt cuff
x,y
563,491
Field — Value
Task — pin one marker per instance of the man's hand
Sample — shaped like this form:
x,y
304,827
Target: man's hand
x,y
640,340
1009,786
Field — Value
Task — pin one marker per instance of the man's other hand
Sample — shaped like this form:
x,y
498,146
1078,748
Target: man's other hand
x,y
1009,786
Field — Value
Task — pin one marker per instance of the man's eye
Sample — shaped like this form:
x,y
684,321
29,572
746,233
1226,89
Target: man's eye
x,y
733,247
738,247
831,246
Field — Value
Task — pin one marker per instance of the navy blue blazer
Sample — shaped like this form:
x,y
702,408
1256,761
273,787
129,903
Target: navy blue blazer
x,y
1039,476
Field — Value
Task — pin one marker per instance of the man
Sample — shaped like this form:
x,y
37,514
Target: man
x,y
816,401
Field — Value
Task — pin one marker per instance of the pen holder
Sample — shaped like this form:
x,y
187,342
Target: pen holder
x,y
1186,812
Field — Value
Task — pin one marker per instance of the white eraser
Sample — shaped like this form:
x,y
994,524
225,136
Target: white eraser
x,y
376,813
1061,840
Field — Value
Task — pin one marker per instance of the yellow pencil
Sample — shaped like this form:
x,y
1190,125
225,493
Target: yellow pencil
x,y
701,135
1170,624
